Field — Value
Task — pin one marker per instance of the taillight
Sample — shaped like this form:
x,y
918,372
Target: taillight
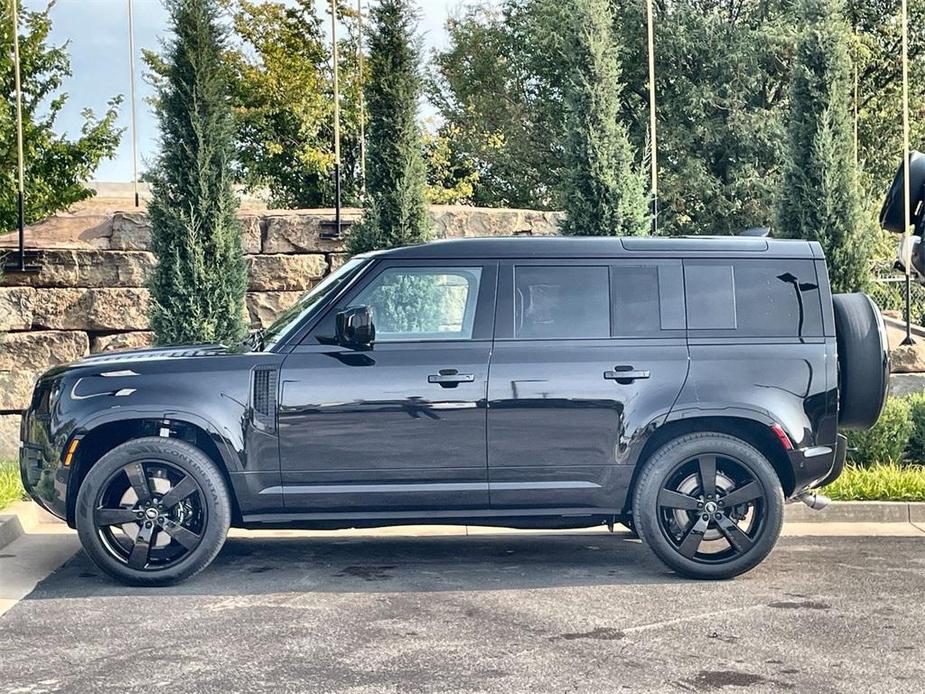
x,y
782,436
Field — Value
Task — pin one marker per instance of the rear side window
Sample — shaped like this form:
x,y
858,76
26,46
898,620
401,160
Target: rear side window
x,y
561,302
636,307
754,298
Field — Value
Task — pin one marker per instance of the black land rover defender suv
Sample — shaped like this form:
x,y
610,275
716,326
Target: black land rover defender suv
x,y
686,387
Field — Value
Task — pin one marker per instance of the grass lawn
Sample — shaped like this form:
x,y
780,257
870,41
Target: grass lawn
x,y
884,482
10,485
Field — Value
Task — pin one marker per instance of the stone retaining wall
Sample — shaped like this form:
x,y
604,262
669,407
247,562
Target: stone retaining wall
x,y
90,294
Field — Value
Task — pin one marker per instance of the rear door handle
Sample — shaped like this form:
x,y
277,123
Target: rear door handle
x,y
450,378
626,374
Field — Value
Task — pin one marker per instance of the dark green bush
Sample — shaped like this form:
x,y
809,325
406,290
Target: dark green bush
x,y
886,442
915,449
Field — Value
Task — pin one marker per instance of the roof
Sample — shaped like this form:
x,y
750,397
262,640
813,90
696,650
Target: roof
x,y
608,247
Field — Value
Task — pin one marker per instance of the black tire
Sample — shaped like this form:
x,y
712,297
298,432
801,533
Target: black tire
x,y
193,512
863,360
671,532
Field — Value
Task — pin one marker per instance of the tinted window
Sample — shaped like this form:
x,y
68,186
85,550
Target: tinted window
x,y
422,303
636,307
710,293
561,301
755,298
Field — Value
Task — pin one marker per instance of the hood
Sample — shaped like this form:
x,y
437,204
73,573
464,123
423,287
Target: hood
x,y
137,355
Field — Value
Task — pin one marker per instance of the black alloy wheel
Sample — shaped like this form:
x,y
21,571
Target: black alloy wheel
x,y
153,511
709,505
150,515
712,508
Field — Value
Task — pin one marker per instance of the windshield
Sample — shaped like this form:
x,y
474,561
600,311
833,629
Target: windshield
x,y
292,317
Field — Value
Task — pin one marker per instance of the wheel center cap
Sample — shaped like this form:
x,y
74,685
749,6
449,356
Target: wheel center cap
x,y
710,507
151,513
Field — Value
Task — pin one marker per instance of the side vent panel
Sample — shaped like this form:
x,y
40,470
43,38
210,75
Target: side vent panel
x,y
264,398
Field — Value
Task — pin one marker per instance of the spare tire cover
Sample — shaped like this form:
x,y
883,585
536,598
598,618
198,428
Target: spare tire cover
x,y
863,360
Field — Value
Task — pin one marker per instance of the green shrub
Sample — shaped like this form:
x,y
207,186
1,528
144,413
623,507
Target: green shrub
x,y
886,441
10,485
915,449
888,482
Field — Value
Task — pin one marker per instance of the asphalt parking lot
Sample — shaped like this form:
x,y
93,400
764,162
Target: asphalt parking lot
x,y
590,612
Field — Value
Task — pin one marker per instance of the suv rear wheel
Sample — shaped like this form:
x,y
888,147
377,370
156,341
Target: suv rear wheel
x,y
153,511
709,505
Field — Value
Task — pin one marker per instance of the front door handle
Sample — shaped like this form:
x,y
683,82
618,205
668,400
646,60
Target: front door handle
x,y
626,374
450,378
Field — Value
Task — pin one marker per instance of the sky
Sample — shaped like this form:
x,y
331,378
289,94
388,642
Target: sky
x,y
97,33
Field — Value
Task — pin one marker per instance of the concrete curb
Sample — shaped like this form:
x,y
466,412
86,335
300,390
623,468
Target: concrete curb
x,y
10,529
858,512
31,514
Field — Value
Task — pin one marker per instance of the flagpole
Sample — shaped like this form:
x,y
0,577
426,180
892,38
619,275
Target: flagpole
x,y
360,59
653,138
21,185
131,62
907,192
337,221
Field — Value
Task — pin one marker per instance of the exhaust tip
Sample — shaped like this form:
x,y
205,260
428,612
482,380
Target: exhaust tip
x,y
815,501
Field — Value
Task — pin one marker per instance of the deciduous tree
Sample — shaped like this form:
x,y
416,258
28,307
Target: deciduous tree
x,y
282,90
56,167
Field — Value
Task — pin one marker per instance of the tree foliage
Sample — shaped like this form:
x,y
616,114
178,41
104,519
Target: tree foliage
x,y
721,77
198,285
56,167
497,87
283,93
876,51
820,197
603,192
396,212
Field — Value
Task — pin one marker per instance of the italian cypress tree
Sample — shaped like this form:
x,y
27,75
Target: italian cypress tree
x,y
396,211
197,288
603,193
821,197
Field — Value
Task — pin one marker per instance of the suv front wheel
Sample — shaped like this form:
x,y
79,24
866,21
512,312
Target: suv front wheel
x,y
709,505
153,511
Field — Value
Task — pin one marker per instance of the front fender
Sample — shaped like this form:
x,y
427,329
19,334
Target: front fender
x,y
211,395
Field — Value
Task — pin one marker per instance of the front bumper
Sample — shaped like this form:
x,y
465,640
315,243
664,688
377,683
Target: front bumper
x,y
818,466
43,473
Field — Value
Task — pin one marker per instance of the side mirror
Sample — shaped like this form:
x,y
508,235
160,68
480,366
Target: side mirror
x,y
355,327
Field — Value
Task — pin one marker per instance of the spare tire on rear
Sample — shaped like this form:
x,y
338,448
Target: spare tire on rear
x,y
863,360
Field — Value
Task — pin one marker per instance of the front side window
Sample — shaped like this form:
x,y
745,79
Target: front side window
x,y
561,302
415,303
